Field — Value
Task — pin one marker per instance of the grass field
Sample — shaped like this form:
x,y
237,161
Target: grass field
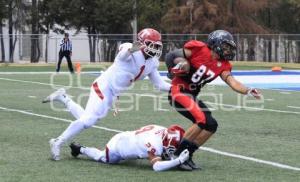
x,y
271,134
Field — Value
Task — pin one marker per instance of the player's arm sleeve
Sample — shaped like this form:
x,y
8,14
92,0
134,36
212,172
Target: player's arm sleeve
x,y
158,82
124,51
159,165
165,165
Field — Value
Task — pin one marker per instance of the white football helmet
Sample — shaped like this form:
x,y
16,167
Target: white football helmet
x,y
151,39
171,140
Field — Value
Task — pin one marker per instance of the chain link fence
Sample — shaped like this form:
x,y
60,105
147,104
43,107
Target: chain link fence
x,y
283,48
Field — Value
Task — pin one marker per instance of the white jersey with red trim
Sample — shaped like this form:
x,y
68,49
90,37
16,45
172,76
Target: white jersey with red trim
x,y
127,68
137,144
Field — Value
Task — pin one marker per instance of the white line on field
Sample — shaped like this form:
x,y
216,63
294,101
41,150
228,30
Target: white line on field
x,y
269,99
250,159
32,96
236,106
45,73
275,164
285,93
151,95
52,117
42,83
295,107
254,108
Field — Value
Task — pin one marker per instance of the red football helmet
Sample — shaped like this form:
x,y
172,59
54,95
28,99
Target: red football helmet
x,y
151,39
171,140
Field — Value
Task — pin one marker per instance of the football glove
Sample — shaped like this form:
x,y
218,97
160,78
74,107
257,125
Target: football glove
x,y
136,46
179,69
184,156
254,93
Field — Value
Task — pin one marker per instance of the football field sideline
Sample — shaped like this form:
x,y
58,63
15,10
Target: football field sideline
x,y
275,164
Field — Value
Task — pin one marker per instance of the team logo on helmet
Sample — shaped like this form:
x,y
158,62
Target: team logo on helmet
x,y
171,140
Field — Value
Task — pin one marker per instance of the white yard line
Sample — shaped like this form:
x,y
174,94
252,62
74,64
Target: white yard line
x,y
254,108
285,93
52,117
44,73
275,164
151,95
42,83
250,159
295,107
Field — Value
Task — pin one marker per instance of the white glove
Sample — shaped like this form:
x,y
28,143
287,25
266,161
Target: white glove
x,y
184,156
136,46
254,92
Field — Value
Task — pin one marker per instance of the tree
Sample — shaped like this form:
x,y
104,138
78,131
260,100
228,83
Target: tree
x,y
150,13
16,12
100,17
35,51
207,15
3,15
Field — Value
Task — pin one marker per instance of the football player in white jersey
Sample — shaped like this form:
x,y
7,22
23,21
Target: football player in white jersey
x,y
133,62
152,142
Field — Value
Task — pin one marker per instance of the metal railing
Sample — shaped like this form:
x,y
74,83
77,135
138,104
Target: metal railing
x,y
283,48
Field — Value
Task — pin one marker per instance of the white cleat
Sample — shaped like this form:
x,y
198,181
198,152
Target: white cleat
x,y
58,95
55,149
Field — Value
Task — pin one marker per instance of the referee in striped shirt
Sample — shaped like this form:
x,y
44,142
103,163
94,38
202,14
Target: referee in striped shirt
x,y
65,51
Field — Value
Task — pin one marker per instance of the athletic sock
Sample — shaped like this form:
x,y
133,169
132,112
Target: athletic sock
x,y
75,109
73,129
93,153
186,144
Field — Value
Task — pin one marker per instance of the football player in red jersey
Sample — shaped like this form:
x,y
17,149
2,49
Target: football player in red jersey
x,y
207,62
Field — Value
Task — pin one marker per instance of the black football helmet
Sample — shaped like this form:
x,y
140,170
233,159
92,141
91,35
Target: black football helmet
x,y
222,43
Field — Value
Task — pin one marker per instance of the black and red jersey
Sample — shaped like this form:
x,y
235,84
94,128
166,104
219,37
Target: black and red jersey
x,y
203,68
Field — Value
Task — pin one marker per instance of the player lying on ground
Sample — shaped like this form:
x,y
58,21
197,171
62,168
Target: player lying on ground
x,y
152,142
132,63
191,67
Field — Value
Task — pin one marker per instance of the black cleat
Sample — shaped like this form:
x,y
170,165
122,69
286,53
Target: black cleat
x,y
192,164
185,167
75,149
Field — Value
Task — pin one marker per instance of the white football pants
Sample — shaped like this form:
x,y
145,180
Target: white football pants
x,y
99,103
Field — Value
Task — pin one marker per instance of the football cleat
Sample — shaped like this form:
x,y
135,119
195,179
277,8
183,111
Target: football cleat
x,y
192,164
54,149
185,167
55,96
75,149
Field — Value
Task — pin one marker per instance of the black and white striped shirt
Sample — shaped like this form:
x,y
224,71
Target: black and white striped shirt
x,y
66,45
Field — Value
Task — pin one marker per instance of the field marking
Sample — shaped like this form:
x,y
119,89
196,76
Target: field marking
x,y
285,93
254,108
151,95
42,83
54,118
294,107
250,159
236,106
275,164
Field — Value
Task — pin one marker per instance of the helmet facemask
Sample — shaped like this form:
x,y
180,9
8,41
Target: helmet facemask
x,y
222,43
226,51
171,140
152,48
168,152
